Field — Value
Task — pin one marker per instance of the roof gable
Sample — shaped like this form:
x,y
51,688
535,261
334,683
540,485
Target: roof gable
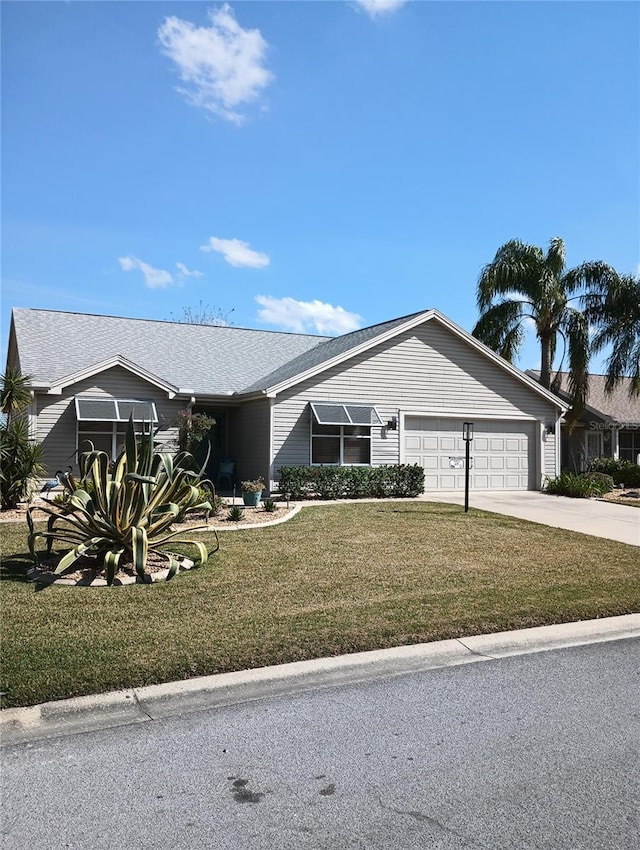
x,y
58,386
336,351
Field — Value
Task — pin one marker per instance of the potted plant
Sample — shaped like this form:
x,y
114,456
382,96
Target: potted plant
x,y
252,492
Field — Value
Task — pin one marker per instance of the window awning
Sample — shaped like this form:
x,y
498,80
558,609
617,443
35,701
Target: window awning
x,y
345,414
114,410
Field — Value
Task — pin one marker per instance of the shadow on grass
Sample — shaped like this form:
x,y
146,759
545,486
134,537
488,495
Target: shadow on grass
x,y
15,567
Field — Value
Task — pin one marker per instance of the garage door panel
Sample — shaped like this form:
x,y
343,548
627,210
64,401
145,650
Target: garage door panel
x,y
503,453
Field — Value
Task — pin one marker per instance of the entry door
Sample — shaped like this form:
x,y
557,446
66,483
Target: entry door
x,y
593,445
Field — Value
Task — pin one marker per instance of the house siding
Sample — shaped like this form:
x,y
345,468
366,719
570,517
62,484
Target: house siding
x,y
427,370
56,416
549,456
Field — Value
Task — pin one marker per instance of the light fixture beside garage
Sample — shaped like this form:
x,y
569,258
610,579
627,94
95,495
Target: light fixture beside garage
x,y
392,424
467,436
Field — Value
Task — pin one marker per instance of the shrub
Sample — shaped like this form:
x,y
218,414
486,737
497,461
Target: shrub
x,y
207,494
130,511
20,462
235,513
269,506
351,482
20,456
622,471
606,480
577,485
256,485
192,429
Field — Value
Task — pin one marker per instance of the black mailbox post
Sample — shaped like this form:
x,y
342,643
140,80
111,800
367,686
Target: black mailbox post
x,y
467,436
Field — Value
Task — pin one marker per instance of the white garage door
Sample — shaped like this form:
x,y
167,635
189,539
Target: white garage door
x,y
503,453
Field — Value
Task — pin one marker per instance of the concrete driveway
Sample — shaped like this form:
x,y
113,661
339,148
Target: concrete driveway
x,y
588,516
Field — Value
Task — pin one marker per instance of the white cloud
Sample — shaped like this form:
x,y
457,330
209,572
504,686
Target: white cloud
x,y
222,65
375,8
153,278
237,253
301,316
183,271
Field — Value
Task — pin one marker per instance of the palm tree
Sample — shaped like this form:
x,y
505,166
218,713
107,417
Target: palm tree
x,y
615,311
525,283
14,393
20,456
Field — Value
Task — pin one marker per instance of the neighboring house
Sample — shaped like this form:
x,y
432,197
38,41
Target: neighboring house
x,y
397,392
609,426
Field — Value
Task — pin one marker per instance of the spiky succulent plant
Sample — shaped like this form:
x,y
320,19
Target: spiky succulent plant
x,y
129,513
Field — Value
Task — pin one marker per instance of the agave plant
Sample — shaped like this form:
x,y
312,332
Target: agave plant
x,y
129,512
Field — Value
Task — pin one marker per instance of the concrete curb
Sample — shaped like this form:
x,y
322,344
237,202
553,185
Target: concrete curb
x,y
156,702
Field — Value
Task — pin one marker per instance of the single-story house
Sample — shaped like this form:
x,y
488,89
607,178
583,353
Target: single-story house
x,y
396,392
608,427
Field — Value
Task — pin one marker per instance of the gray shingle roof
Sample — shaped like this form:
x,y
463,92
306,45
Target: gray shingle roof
x,y
210,360
618,406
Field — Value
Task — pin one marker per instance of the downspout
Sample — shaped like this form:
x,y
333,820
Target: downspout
x,y
540,466
272,420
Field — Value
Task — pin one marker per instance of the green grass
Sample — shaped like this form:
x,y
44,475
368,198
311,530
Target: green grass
x,y
334,579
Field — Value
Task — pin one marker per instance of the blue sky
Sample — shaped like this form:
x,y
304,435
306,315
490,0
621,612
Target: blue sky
x,y
309,166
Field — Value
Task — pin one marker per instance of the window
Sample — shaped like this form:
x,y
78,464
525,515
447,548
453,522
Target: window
x,y
629,445
103,422
114,410
341,433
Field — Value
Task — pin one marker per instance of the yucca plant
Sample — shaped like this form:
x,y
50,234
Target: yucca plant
x,y
128,511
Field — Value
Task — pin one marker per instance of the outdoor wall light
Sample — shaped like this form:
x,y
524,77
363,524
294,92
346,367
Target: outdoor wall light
x,y
550,429
392,424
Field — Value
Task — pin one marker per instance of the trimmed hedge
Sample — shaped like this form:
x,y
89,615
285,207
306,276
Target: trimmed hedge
x,y
622,471
351,482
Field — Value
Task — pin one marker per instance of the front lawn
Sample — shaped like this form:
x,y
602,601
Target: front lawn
x,y
334,579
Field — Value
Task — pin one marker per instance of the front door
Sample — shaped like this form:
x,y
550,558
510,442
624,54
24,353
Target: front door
x,y
593,445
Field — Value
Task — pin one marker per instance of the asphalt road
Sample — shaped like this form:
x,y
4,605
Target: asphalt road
x,y
533,751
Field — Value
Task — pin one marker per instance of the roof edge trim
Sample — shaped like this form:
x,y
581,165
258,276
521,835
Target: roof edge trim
x,y
58,386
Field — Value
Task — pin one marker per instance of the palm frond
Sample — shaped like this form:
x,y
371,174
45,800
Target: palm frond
x,y
596,277
500,328
555,259
514,270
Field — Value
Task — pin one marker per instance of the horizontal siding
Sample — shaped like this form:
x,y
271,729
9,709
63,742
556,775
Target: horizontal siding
x,y
427,369
549,456
56,416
